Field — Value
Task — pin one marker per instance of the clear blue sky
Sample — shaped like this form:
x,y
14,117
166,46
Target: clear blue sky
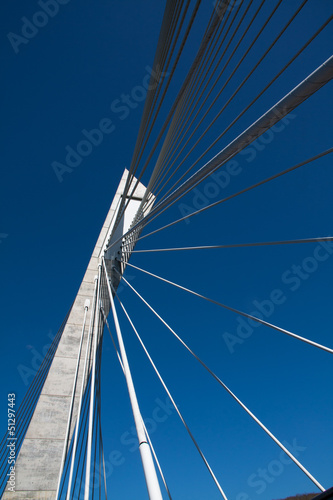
x,y
65,79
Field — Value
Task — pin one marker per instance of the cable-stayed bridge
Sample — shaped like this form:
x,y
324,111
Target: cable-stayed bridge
x,y
193,129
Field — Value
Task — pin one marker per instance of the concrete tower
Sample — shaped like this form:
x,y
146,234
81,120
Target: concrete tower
x,y
40,457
